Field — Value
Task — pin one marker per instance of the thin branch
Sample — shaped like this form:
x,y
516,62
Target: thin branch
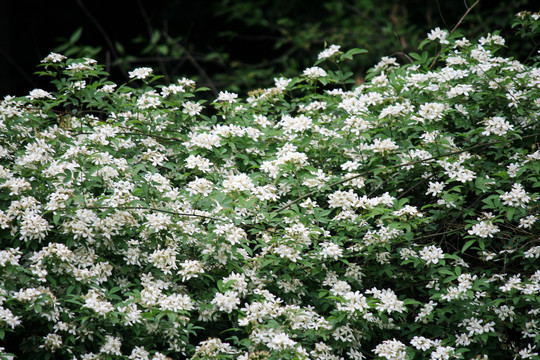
x,y
414,186
401,53
365,17
454,29
150,30
103,33
151,209
532,52
274,61
441,14
464,16
193,62
399,166
16,66
437,234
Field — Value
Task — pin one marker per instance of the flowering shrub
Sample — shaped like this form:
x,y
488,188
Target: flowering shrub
x,y
396,219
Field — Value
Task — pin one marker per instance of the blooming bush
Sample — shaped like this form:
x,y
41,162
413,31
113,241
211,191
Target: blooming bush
x,y
396,219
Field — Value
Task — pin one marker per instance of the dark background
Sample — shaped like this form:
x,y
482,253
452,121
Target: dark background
x,y
226,44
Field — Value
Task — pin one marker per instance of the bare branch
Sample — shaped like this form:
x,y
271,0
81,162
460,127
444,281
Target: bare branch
x,y
454,29
103,33
150,31
193,62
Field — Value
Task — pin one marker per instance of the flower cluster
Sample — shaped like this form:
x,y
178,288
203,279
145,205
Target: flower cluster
x,y
312,220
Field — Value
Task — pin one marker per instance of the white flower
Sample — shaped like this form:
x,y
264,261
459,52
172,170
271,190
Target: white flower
x,y
54,58
149,99
527,353
295,124
343,199
497,125
421,343
513,169
34,226
527,221
505,312
281,341
190,269
484,229
172,89
383,146
408,210
354,301
6,316
52,342
112,346
78,85
314,72
200,186
460,89
10,256
282,83
93,301
431,254
391,350
109,88
388,300
517,197
435,188
199,162
176,303
326,53
226,302
192,108
139,353
186,82
330,250
164,259
491,39
240,182
212,348
78,67
288,252
432,111
386,62
226,96
140,73
442,353
425,311
438,34
158,221
39,94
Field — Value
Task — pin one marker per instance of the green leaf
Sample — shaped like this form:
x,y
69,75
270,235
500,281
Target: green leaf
x,y
467,245
76,35
349,54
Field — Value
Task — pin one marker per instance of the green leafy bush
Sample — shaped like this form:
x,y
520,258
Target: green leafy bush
x,y
316,219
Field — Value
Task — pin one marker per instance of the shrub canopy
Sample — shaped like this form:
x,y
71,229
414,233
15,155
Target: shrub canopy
x,y
316,219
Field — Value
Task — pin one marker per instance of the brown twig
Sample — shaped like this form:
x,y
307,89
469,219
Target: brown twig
x,y
454,29
464,16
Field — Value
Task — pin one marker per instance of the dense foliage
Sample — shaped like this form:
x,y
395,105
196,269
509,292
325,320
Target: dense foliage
x,y
315,219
